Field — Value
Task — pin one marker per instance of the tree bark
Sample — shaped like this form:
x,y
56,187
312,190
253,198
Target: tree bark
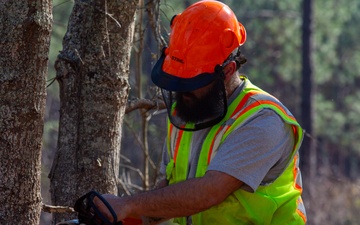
x,y
92,71
24,47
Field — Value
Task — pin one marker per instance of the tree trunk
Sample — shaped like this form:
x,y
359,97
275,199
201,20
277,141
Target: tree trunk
x,y
24,47
92,71
308,149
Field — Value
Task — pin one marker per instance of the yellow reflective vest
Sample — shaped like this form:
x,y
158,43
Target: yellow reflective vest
x,y
278,203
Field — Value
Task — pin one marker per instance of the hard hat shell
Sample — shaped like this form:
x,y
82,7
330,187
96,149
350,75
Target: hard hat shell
x,y
202,37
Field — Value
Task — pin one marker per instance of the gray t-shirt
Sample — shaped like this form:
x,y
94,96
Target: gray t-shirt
x,y
256,153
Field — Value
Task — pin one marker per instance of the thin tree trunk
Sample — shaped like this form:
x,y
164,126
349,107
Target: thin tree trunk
x,y
308,150
92,71
25,29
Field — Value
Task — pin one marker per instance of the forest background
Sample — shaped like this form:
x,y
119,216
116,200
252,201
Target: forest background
x,y
273,50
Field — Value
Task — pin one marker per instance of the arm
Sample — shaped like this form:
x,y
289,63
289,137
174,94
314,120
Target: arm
x,y
182,199
156,220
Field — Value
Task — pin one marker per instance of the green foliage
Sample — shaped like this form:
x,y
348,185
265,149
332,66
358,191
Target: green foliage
x,y
327,30
336,58
273,47
331,120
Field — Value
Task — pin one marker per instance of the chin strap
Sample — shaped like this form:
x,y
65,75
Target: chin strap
x,y
220,70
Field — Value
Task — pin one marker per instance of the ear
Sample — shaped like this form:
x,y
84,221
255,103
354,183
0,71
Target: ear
x,y
229,70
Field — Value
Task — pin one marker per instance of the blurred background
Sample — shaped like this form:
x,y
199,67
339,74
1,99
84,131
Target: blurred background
x,y
274,52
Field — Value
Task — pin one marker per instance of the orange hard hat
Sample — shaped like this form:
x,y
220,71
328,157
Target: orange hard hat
x,y
201,37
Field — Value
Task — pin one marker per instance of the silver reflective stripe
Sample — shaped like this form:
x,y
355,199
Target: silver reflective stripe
x,y
173,139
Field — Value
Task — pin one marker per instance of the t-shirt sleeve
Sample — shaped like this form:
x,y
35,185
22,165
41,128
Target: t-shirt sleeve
x,y
251,150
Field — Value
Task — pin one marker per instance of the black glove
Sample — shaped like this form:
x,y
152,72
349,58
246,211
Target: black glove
x,y
89,214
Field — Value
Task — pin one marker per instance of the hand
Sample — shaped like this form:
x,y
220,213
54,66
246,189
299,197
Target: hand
x,y
118,204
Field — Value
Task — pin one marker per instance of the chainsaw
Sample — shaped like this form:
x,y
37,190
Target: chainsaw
x,y
89,213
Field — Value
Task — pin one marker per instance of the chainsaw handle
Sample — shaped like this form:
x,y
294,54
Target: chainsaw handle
x,y
89,213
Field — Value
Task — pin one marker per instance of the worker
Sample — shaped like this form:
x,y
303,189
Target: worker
x,y
231,153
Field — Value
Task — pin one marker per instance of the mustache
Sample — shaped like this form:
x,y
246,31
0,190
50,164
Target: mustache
x,y
183,95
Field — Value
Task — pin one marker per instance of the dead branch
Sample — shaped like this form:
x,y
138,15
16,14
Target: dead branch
x,y
57,209
147,104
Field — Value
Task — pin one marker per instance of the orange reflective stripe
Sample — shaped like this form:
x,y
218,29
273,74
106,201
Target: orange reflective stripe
x,y
277,106
296,173
300,212
169,140
251,106
244,100
178,139
296,134
212,145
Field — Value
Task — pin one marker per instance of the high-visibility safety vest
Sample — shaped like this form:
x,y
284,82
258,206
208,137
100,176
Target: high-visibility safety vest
x,y
277,203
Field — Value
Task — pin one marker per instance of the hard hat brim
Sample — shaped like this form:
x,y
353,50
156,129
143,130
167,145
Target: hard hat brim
x,y
170,82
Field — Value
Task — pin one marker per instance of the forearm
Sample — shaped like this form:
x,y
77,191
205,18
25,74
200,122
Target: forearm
x,y
183,199
177,200
156,220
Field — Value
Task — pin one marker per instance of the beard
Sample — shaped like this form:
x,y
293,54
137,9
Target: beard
x,y
195,109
